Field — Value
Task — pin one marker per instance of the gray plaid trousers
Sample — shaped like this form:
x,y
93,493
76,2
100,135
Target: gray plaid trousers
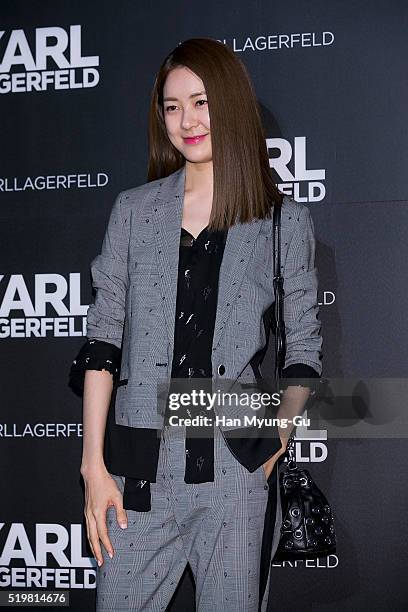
x,y
217,527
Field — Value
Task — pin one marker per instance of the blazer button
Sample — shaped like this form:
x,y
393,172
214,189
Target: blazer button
x,y
221,369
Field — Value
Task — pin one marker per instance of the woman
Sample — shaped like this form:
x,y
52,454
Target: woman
x,y
184,291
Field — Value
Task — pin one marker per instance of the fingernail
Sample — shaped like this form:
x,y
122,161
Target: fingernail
x,y
123,525
99,562
110,554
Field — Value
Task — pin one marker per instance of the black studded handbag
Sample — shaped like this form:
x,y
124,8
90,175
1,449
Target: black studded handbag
x,y
307,529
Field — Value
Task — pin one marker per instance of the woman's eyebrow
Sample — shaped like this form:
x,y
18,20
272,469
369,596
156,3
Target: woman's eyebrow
x,y
200,93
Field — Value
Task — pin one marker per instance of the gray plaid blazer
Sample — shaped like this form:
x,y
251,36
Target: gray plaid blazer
x,y
135,278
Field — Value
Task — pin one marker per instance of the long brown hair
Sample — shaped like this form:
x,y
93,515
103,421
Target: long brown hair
x,y
243,185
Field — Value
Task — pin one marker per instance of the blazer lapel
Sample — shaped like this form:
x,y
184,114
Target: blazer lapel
x,y
238,248
167,213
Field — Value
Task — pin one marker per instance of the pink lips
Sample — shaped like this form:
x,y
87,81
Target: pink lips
x,y
194,139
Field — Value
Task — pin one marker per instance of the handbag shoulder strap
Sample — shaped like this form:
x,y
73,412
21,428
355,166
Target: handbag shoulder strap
x,y
280,336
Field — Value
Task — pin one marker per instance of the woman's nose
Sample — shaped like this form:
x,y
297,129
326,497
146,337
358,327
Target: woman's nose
x,y
188,120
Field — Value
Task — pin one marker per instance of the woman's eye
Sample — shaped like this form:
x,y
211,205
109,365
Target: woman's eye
x,y
170,108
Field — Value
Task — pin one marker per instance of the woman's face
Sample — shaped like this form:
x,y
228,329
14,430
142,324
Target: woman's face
x,y
186,115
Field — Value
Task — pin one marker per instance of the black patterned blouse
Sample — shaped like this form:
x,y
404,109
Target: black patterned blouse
x,y
198,273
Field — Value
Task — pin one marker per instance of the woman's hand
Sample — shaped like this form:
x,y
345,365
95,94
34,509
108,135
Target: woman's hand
x,y
101,492
292,404
269,465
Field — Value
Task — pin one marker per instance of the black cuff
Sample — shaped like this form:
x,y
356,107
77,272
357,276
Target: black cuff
x,y
302,372
94,355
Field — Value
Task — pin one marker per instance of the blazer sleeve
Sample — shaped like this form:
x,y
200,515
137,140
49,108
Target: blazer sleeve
x,y
105,317
303,338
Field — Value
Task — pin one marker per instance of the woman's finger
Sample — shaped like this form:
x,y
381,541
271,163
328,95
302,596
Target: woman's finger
x,y
94,539
103,532
121,515
88,535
